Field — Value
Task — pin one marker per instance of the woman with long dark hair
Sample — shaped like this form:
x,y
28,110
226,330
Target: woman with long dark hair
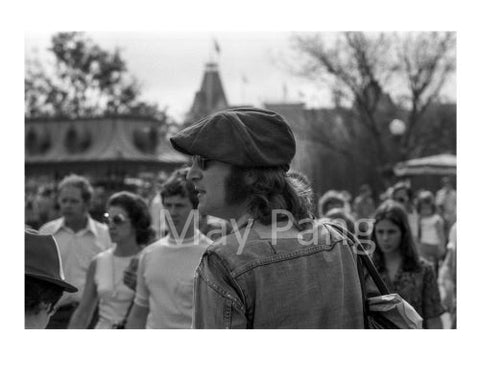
x,y
129,227
396,257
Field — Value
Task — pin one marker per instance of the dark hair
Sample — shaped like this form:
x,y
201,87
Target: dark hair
x,y
394,212
46,191
138,213
79,182
38,291
339,213
272,190
178,185
330,197
364,188
426,197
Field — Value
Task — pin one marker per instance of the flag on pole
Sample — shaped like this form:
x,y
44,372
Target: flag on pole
x,y
216,46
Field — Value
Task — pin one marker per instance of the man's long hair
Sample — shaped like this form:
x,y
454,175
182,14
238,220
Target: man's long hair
x,y
272,189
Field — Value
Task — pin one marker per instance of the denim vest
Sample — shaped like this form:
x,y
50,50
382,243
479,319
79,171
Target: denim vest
x,y
287,281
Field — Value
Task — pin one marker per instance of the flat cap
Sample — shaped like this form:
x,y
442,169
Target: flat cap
x,y
245,137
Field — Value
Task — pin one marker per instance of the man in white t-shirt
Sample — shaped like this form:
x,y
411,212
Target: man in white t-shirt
x,y
164,290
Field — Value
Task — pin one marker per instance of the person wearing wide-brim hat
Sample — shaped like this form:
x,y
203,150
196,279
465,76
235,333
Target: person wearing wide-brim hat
x,y
277,269
44,279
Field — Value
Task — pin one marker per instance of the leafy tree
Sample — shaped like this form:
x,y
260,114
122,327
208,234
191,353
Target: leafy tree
x,y
84,81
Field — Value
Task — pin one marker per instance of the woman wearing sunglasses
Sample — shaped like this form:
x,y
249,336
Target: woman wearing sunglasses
x,y
130,230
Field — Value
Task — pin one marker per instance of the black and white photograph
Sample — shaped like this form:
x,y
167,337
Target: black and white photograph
x,y
210,185
357,129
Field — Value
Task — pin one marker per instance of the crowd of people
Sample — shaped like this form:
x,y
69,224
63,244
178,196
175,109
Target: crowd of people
x,y
412,237
206,250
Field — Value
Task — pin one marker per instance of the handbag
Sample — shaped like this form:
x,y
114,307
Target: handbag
x,y
387,310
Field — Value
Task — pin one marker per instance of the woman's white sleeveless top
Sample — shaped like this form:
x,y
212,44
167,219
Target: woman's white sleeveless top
x,y
114,296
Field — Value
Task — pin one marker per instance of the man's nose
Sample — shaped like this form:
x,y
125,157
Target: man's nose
x,y
194,173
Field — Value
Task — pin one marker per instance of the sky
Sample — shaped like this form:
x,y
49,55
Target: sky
x,y
169,65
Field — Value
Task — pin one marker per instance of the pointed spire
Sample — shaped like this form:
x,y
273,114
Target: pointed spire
x,y
211,96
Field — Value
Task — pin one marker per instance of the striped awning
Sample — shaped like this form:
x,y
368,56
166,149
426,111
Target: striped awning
x,y
443,164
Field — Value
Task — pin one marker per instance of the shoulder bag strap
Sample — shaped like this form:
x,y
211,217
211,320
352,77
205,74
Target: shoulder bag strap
x,y
364,259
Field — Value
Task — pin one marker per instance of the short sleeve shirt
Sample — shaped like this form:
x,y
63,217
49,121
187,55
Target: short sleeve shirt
x,y
77,250
165,280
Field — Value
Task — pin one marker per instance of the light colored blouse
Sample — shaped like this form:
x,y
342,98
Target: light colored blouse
x,y
429,229
114,296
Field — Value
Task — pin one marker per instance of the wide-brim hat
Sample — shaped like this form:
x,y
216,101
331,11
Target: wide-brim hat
x,y
245,137
42,260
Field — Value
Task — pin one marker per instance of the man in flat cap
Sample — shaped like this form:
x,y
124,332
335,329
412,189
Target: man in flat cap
x,y
44,279
277,269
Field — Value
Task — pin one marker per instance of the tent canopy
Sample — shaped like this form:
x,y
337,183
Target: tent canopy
x,y
97,140
443,164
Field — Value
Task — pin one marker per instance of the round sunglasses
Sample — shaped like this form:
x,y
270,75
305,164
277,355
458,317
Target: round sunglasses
x,y
117,219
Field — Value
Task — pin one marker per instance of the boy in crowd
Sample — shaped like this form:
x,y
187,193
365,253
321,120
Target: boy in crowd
x,y
164,290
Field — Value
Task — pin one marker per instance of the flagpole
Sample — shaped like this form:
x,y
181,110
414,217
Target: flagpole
x,y
216,47
244,82
243,91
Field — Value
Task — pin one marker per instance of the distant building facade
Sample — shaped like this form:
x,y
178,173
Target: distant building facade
x,y
123,146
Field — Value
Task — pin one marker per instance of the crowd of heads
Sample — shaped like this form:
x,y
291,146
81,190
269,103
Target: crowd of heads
x,y
397,203
261,190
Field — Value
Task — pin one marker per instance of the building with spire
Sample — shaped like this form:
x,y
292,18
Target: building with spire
x,y
316,130
210,97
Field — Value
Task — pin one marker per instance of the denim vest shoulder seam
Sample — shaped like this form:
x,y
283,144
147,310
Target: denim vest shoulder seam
x,y
229,271
217,288
282,257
